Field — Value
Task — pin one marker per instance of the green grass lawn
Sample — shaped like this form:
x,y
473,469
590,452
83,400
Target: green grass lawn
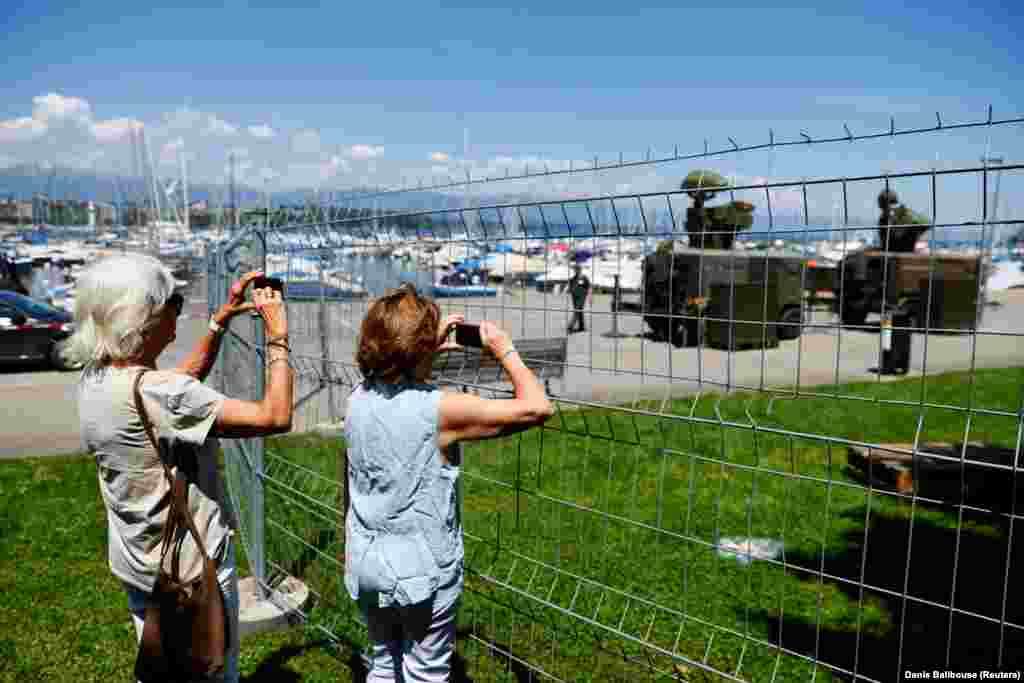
x,y
589,548
63,617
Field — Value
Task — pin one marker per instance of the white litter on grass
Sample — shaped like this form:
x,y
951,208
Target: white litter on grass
x,y
743,550
330,428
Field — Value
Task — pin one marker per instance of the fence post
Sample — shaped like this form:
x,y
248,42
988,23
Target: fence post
x,y
257,561
616,300
456,452
325,358
214,300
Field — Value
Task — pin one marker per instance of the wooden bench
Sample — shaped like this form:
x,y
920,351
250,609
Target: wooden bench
x,y
546,357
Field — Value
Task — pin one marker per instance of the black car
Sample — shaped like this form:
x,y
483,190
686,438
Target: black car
x,y
31,330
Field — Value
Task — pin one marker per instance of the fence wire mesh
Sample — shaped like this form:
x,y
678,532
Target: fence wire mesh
x,y
732,487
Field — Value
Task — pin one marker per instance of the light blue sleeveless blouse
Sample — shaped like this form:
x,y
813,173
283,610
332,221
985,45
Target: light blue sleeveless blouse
x,y
403,540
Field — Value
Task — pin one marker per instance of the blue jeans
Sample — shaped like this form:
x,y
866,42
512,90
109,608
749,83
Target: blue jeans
x,y
227,576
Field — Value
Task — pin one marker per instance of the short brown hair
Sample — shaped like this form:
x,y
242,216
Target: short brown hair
x,y
399,331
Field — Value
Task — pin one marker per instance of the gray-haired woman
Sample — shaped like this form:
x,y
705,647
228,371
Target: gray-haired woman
x,y
126,313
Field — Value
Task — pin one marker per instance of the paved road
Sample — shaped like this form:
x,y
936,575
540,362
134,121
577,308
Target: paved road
x,y
40,415
40,410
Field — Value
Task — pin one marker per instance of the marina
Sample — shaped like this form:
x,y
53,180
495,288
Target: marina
x,y
43,262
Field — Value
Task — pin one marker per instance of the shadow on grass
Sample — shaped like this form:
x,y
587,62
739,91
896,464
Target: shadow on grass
x,y
273,667
939,567
357,665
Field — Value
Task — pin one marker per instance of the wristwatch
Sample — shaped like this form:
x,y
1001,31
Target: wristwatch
x,y
214,327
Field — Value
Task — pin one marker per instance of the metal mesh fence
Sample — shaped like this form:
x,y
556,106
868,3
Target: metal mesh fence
x,y
762,466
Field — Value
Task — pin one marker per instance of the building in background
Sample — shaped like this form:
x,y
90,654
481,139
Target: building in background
x,y
15,212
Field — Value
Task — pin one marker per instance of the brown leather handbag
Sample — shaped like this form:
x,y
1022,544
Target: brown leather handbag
x,y
185,633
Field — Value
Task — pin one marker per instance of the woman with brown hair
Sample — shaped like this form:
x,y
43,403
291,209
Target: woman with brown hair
x,y
403,545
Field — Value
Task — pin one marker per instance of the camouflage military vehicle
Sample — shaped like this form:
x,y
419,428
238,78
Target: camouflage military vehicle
x,y
726,286
910,284
710,280
942,290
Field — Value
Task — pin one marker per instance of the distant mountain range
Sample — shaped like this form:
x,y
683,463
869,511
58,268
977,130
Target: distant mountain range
x,y
22,182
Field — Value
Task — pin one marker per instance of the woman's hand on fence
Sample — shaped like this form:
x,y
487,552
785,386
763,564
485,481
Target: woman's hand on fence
x,y
495,339
236,302
444,332
270,306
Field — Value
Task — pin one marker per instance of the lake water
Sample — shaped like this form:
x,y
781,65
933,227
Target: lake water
x,y
381,274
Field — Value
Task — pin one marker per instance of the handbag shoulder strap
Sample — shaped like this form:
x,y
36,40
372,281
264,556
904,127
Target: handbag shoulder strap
x,y
179,490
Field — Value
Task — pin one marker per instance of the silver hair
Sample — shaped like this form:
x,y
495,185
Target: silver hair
x,y
117,301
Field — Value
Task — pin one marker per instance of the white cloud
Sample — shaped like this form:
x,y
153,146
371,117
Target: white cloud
x,y
54,106
63,129
114,130
263,131
363,152
22,129
49,112
192,121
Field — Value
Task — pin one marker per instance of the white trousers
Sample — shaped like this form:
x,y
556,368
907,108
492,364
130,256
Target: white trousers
x,y
227,576
412,644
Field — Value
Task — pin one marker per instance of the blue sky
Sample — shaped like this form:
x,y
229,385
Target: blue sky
x,y
359,93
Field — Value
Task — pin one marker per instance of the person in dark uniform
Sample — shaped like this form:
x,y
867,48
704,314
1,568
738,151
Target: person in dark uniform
x,y
579,291
9,276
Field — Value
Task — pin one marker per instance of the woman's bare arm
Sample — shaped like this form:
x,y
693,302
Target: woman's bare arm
x,y
465,417
272,414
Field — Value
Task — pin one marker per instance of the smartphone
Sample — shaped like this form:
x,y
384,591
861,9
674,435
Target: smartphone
x,y
468,335
263,282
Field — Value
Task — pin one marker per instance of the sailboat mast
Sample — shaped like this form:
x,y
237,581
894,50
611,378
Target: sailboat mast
x,y
154,234
184,190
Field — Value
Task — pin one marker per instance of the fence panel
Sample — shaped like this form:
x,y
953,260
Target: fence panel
x,y
731,487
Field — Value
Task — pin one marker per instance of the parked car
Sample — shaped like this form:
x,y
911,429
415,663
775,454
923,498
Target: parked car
x,y
31,330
